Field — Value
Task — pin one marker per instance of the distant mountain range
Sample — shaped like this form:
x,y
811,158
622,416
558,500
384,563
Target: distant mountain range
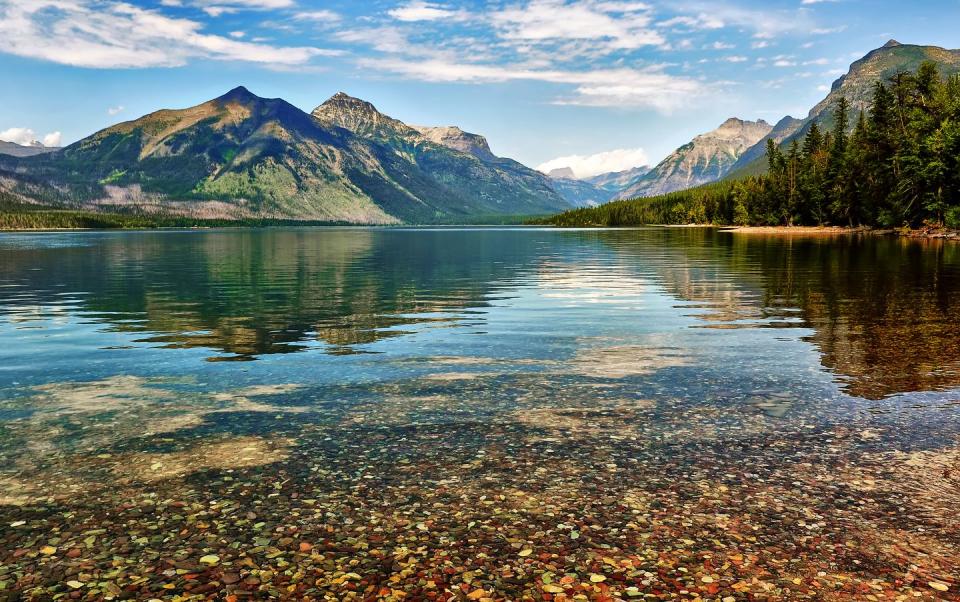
x,y
594,190
19,150
706,158
241,156
738,148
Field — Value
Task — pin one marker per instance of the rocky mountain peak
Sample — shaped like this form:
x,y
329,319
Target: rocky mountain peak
x,y
739,128
458,140
562,173
706,158
343,101
238,95
360,117
892,44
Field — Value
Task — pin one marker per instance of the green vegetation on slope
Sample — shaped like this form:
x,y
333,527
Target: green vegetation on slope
x,y
16,215
900,166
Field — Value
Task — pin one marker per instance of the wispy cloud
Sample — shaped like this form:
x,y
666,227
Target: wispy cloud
x,y
325,16
115,110
649,88
615,25
218,7
765,23
97,34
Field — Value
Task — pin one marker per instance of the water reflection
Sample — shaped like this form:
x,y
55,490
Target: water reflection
x,y
882,311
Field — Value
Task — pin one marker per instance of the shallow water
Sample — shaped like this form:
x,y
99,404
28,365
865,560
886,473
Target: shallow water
x,y
485,413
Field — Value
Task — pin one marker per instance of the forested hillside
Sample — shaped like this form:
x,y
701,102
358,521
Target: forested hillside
x,y
900,166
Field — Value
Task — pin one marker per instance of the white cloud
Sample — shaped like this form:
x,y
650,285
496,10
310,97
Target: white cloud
x,y
234,5
700,21
238,34
317,15
424,11
735,59
98,34
115,110
382,39
551,20
28,137
585,166
766,23
617,87
828,30
722,46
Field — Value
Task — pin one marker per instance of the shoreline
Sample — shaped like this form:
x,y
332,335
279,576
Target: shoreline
x,y
806,231
925,233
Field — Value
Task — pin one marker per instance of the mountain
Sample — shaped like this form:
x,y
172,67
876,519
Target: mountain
x,y
562,173
578,193
458,140
880,65
18,150
857,87
242,156
617,181
236,156
706,158
757,154
595,190
459,161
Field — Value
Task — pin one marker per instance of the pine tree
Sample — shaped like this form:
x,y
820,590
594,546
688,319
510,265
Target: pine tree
x,y
837,171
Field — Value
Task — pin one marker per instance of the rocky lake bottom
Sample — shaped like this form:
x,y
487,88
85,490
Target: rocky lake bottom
x,y
484,414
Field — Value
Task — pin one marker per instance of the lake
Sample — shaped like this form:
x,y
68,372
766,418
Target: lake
x,y
478,413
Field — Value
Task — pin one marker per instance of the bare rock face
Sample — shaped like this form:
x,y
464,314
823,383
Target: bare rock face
x,y
562,173
707,158
455,138
360,117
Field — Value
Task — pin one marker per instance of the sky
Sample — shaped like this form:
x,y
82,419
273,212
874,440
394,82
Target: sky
x,y
595,85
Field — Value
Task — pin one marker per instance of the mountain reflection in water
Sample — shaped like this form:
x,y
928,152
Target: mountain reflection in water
x,y
881,310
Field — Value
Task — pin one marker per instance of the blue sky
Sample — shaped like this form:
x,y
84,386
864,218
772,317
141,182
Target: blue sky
x,y
610,83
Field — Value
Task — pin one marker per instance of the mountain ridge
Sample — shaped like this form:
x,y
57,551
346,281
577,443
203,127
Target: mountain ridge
x,y
706,158
241,156
25,150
